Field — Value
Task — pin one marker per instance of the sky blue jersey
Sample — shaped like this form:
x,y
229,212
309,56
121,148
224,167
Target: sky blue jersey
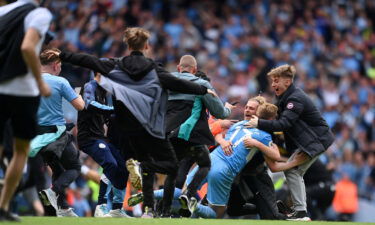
x,y
241,155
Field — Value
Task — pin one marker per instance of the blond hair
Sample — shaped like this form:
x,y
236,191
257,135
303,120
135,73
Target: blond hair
x,y
260,99
136,38
267,111
283,71
49,56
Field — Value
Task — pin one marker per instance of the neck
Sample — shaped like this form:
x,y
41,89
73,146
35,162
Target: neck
x,y
49,70
186,71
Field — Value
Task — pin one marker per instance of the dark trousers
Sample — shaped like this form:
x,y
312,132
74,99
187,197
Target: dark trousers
x,y
257,189
110,158
183,169
156,156
64,171
187,156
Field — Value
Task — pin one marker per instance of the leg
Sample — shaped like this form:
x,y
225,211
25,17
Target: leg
x,y
220,210
296,184
205,212
14,172
101,208
235,202
183,170
21,111
265,197
156,155
70,162
109,157
201,156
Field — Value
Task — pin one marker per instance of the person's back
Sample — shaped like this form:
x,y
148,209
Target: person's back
x,y
97,112
50,109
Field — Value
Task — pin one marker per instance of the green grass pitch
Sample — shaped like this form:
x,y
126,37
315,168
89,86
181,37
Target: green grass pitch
x,y
123,221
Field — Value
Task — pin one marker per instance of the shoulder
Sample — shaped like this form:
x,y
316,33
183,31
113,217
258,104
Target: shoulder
x,y
205,83
40,13
176,74
61,80
90,85
265,134
265,137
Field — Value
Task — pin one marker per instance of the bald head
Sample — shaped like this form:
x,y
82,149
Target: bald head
x,y
188,64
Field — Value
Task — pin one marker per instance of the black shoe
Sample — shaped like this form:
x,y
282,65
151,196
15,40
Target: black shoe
x,y
7,216
283,208
299,216
249,207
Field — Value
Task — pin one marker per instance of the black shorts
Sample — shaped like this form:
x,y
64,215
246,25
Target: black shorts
x,y
22,114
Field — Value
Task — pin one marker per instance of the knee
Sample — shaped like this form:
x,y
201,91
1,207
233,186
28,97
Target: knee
x,y
119,184
204,162
173,169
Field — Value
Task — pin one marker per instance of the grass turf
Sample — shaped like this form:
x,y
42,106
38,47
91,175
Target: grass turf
x,y
115,221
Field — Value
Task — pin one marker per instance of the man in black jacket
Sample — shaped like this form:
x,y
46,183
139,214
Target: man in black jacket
x,y
139,87
304,129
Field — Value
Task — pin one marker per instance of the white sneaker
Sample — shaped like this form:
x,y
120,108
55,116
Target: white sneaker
x,y
134,173
101,210
192,205
66,213
49,197
117,213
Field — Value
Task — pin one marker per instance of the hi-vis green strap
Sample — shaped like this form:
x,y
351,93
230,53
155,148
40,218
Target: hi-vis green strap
x,y
279,183
188,125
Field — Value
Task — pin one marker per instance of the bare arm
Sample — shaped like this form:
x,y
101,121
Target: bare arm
x,y
269,151
78,103
29,42
298,159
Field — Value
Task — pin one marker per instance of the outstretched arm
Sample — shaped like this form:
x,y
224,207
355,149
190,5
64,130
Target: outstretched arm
x,y
269,151
298,159
103,66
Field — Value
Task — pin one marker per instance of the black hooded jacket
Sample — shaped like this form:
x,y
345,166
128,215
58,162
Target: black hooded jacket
x,y
301,122
137,66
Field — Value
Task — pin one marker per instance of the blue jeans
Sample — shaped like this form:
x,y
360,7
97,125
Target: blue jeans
x,y
108,157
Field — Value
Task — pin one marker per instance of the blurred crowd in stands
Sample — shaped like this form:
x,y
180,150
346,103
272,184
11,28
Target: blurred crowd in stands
x,y
236,42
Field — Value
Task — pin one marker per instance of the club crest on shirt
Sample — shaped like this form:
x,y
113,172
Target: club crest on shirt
x,y
290,105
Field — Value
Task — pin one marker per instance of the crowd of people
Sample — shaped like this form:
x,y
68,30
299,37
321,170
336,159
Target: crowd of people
x,y
236,43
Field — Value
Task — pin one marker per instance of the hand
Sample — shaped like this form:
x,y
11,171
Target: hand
x,y
227,147
44,89
209,91
229,106
300,158
225,124
253,123
250,142
54,52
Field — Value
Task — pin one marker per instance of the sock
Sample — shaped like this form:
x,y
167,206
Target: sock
x,y
205,211
102,193
109,195
118,197
158,194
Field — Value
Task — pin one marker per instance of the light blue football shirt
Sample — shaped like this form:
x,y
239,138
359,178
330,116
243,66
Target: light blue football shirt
x,y
241,155
50,109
